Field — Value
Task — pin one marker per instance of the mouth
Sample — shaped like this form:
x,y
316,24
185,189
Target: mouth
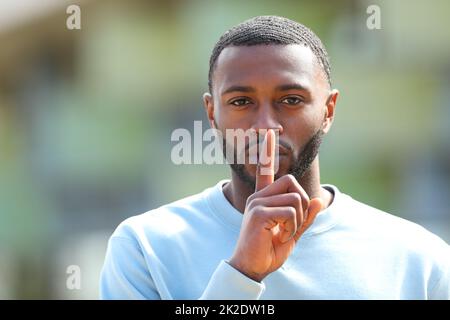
x,y
280,150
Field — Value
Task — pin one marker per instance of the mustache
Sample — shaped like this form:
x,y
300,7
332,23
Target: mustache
x,y
260,138
284,144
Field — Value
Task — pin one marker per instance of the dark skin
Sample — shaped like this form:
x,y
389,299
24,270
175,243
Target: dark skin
x,y
279,87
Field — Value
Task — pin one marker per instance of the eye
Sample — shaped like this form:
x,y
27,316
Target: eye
x,y
292,101
240,102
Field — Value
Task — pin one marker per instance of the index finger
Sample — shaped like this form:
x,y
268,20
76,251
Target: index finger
x,y
265,170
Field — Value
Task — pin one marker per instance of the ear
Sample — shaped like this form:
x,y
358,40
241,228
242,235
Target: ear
x,y
330,107
208,102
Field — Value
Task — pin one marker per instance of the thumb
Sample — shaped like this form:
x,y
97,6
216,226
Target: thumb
x,y
315,206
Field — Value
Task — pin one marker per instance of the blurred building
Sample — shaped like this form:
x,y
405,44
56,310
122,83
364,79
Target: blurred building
x,y
86,117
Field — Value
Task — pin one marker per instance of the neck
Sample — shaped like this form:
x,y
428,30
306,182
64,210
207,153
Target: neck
x,y
237,192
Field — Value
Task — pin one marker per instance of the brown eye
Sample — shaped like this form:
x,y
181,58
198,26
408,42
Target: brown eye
x,y
291,100
240,102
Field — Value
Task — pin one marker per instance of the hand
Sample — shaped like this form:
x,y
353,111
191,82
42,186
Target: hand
x,y
275,217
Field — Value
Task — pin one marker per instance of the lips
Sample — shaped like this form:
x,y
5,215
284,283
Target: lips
x,y
254,150
282,150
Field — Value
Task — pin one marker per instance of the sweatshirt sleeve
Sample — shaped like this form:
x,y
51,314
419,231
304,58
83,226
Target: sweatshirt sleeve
x,y
227,283
441,290
125,274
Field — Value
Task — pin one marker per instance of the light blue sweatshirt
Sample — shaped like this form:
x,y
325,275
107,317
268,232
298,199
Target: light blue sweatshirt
x,y
352,251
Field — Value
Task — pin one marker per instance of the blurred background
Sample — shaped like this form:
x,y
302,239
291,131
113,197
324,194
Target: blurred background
x,y
86,118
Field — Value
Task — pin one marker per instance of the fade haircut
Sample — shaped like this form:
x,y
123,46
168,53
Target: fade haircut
x,y
270,30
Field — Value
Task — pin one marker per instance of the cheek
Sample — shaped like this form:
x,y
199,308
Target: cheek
x,y
226,119
301,123
314,118
300,128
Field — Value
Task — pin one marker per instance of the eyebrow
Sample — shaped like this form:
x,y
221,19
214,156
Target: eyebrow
x,y
291,86
239,89
283,87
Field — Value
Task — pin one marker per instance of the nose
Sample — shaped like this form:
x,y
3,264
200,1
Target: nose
x,y
266,118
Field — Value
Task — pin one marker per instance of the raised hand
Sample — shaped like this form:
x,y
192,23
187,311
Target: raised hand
x,y
275,217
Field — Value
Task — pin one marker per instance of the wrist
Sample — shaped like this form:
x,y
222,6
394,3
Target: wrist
x,y
245,271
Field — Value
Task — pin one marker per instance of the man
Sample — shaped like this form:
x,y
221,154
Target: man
x,y
277,235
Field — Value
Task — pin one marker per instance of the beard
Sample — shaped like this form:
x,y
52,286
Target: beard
x,y
299,165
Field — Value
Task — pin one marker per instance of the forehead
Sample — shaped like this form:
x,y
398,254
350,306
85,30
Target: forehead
x,y
267,64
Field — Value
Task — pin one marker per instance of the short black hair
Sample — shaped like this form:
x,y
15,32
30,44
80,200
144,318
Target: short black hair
x,y
270,30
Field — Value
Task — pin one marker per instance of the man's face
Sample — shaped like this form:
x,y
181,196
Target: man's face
x,y
277,87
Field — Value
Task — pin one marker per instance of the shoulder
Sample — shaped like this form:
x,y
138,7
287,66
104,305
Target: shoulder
x,y
389,224
396,233
165,221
